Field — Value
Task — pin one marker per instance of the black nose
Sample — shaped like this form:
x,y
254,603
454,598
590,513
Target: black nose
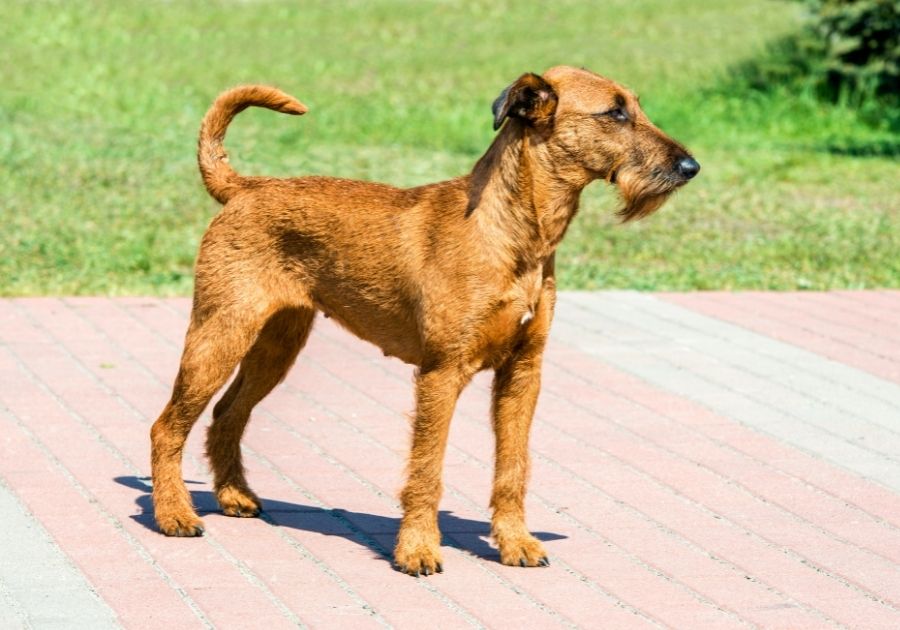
x,y
687,167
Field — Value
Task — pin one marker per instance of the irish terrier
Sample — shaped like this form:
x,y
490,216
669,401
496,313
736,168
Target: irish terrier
x,y
453,277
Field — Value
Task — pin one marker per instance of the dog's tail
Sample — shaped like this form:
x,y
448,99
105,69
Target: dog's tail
x,y
221,180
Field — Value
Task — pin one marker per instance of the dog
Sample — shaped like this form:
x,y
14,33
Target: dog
x,y
453,277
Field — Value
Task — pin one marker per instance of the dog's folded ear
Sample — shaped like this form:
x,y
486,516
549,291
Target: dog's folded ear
x,y
529,98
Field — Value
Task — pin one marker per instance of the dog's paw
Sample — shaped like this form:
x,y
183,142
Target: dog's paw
x,y
241,502
523,550
418,557
182,525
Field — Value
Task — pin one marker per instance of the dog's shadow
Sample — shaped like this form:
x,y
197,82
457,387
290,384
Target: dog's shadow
x,y
359,527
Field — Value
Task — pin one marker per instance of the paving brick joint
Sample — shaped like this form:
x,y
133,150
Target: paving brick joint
x,y
699,460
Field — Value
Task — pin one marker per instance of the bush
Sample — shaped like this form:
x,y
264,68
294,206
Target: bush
x,y
847,52
859,47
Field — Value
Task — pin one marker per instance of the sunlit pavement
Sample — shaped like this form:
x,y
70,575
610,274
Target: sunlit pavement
x,y
698,460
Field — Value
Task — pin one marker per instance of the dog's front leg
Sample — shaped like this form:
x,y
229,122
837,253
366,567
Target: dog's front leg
x,y
516,386
419,539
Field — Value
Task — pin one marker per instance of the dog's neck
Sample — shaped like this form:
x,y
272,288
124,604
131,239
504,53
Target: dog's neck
x,y
515,192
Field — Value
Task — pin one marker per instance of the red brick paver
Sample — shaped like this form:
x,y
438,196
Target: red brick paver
x,y
659,506
859,328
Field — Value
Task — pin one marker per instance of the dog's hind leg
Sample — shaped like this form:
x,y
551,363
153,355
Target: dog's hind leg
x,y
266,364
215,343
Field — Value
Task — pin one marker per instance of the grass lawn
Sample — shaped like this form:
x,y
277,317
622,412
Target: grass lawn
x,y
101,104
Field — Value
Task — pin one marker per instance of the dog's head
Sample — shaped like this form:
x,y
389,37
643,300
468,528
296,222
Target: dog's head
x,y
595,128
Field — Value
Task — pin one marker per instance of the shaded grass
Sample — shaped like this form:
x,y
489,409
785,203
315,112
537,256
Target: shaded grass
x,y
102,100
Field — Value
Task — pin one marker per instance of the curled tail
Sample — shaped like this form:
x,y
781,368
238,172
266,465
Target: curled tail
x,y
221,180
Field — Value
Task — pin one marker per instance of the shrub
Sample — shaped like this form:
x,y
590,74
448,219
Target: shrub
x,y
847,52
858,45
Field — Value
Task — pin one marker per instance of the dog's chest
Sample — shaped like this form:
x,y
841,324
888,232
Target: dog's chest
x,y
511,316
523,297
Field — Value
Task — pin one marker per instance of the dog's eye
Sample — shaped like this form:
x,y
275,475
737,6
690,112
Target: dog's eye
x,y
618,114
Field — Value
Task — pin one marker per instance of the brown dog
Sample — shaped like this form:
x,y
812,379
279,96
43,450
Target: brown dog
x,y
453,277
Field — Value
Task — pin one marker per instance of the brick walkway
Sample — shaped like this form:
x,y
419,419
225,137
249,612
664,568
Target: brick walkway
x,y
699,461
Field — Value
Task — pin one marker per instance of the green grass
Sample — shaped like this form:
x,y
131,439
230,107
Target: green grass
x,y
101,102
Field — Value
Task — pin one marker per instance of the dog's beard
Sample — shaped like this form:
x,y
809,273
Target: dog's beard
x,y
642,196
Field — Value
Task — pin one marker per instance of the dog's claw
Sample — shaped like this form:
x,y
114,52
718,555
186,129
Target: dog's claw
x,y
181,527
519,548
439,568
187,532
419,557
238,501
241,513
544,562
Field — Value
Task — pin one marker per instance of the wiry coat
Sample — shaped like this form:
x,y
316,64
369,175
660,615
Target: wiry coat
x,y
452,277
